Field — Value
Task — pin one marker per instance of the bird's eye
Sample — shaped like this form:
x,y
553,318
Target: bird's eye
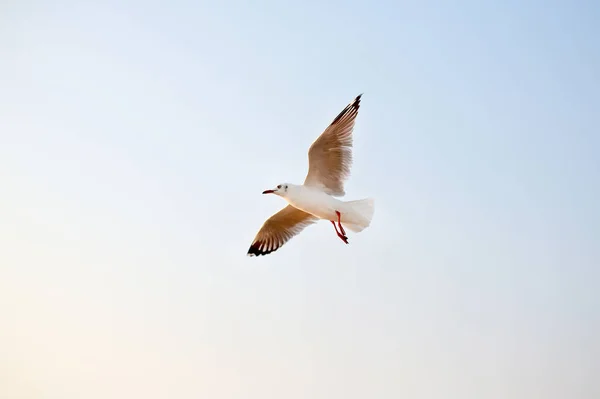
x,y
279,186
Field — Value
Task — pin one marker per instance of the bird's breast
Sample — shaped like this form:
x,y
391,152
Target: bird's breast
x,y
316,203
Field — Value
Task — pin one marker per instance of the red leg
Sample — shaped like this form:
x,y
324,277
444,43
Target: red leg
x,y
342,236
339,215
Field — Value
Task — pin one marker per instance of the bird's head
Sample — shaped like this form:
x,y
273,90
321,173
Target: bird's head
x,y
280,190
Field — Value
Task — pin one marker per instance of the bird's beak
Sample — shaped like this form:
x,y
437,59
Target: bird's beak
x,y
268,191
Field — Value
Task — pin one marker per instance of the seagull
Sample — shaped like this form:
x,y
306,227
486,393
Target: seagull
x,y
329,161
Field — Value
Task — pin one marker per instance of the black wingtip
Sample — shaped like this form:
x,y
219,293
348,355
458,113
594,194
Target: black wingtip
x,y
352,107
255,250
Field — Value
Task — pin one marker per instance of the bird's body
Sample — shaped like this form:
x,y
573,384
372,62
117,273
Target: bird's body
x,y
324,206
314,201
330,157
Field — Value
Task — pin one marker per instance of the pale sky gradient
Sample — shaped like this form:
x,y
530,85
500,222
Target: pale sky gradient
x,y
135,141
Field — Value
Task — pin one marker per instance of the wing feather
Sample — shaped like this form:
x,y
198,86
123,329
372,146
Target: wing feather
x,y
330,155
279,229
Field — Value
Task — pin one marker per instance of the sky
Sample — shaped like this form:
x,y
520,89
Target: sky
x,y
136,138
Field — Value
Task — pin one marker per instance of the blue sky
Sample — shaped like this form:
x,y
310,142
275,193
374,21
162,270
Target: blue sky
x,y
136,138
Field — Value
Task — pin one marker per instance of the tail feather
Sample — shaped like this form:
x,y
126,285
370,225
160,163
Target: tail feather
x,y
360,214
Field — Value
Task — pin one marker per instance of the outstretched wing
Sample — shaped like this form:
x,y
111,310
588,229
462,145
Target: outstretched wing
x,y
279,229
330,156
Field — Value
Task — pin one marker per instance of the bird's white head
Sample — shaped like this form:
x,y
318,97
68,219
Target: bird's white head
x,y
280,190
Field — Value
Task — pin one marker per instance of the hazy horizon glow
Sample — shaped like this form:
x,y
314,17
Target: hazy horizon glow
x,y
136,139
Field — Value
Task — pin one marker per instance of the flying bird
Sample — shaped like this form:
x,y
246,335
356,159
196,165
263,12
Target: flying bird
x,y
329,161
